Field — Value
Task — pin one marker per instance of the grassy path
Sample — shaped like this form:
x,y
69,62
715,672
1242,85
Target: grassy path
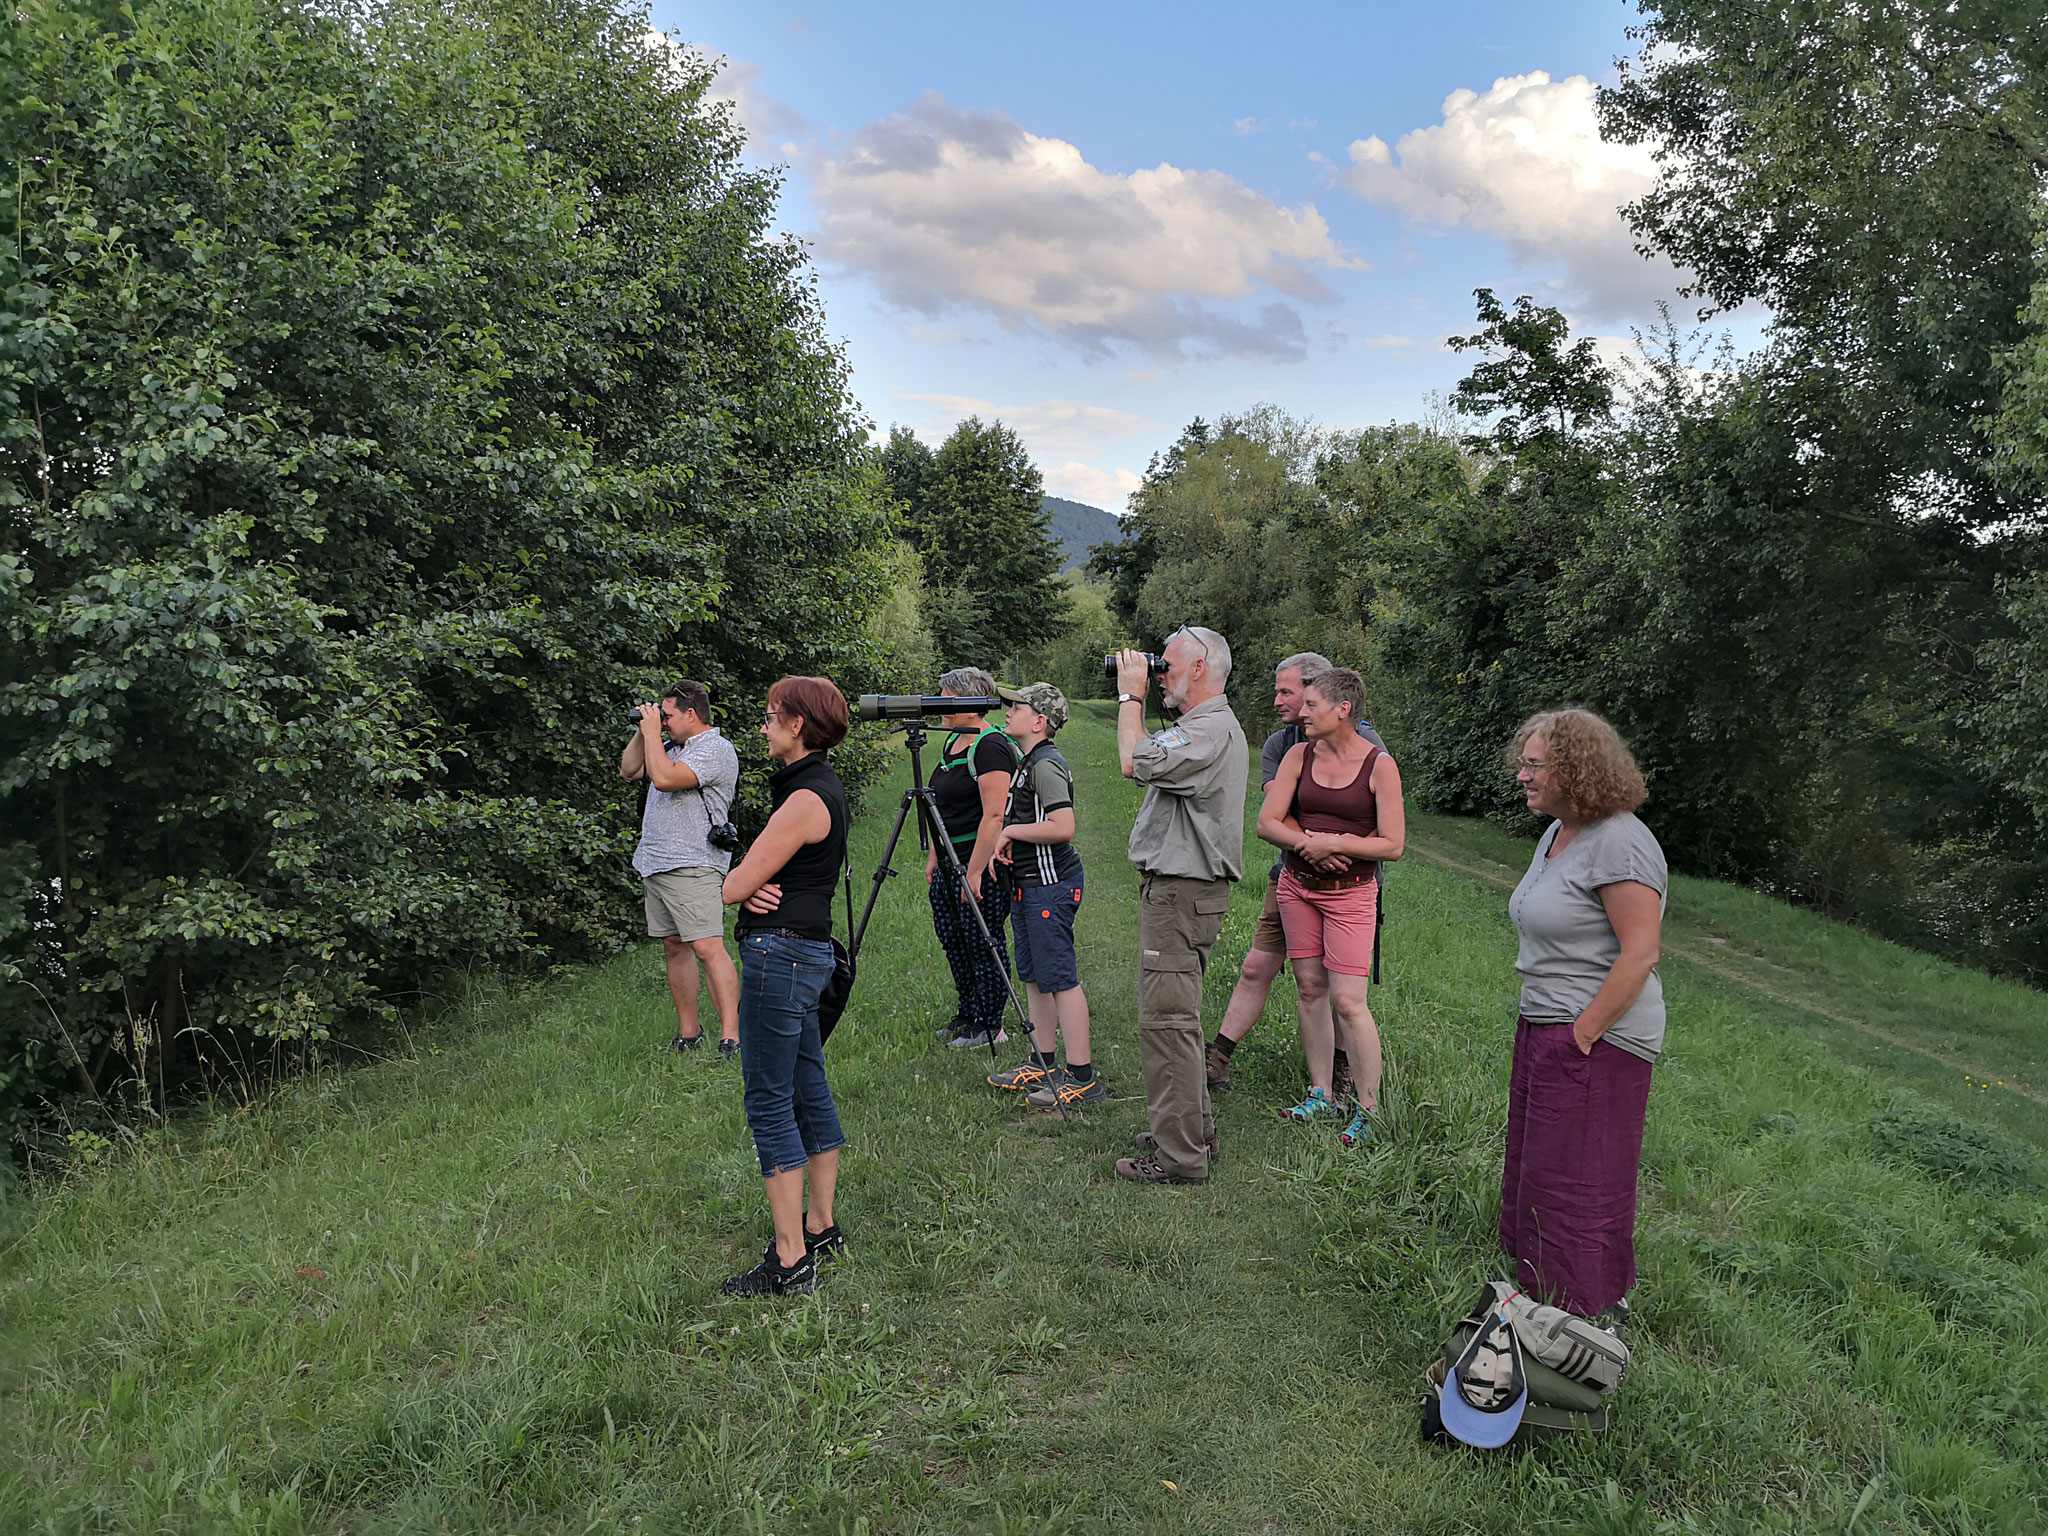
x,y
1689,942
476,1291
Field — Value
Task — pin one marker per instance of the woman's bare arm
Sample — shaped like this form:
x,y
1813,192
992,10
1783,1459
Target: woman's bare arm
x,y
1637,913
800,820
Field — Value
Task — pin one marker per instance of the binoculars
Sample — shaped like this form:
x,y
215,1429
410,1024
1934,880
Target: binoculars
x,y
1154,664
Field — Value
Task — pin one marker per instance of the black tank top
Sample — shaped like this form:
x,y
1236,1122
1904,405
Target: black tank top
x,y
811,876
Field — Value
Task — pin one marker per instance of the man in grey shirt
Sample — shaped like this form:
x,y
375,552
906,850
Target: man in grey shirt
x,y
693,778
1188,845
1268,954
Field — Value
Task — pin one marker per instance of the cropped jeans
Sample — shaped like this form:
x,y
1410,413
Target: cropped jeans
x,y
782,1061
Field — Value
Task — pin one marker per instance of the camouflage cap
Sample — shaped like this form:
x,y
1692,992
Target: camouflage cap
x,y
1044,698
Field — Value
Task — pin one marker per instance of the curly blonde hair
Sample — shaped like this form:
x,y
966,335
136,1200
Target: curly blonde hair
x,y
1591,767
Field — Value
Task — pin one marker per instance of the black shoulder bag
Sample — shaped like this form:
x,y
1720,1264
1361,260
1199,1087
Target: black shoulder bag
x,y
839,990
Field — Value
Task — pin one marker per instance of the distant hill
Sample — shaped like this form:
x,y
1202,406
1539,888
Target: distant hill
x,y
1077,527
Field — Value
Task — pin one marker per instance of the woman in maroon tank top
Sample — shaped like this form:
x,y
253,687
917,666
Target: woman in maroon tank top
x,y
1335,811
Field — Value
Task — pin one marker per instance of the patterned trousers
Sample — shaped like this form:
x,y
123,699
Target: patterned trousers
x,y
977,974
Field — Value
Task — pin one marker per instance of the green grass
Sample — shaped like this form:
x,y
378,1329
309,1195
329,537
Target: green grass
x,y
477,1291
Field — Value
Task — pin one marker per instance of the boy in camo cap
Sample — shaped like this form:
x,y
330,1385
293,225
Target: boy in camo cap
x,y
1036,846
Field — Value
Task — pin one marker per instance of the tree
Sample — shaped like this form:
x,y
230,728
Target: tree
x,y
385,397
1872,174
975,513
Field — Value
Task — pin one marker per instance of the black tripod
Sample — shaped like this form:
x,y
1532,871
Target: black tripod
x,y
931,834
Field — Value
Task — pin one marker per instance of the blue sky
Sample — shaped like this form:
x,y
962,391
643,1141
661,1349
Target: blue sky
x,y
1098,223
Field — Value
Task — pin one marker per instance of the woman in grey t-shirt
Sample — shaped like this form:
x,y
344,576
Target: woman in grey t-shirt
x,y
1588,913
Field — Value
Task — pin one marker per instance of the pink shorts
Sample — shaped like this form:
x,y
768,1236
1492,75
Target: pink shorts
x,y
1335,927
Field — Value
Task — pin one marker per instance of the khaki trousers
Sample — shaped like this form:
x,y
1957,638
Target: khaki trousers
x,y
1178,920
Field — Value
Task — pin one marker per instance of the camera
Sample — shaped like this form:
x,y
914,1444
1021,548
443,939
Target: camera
x,y
635,713
911,706
1156,665
724,836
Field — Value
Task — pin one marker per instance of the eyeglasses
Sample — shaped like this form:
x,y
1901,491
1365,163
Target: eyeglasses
x,y
768,716
1188,630
1531,764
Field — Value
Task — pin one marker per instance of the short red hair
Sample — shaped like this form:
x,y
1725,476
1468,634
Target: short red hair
x,y
820,705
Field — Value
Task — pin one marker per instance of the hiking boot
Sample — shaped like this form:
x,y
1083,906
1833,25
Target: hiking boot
x,y
826,1247
1062,1092
683,1043
771,1277
1217,1065
980,1039
1023,1077
728,1050
1317,1103
1145,1141
1149,1170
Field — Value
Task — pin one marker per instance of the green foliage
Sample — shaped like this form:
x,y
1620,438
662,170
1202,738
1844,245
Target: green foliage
x,y
1952,1149
1072,660
385,398
975,512
1228,530
1872,174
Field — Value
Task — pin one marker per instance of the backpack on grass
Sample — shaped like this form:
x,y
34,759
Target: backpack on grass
x,y
1567,1366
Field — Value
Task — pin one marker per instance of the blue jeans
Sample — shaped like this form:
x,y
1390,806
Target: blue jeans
x,y
782,1061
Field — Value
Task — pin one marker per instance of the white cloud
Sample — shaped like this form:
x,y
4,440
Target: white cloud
x,y
770,124
1067,440
1247,126
1526,162
1108,489
767,122
940,208
1051,429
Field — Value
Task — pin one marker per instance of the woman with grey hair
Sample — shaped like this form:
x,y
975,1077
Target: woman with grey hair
x,y
972,786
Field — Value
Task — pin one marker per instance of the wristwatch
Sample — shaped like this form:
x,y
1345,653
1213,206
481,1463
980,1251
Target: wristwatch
x,y
1130,698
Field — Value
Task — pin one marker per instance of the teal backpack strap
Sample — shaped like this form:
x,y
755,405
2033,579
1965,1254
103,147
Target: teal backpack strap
x,y
967,757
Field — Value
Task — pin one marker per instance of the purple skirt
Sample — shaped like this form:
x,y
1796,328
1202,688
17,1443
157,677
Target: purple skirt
x,y
1568,1191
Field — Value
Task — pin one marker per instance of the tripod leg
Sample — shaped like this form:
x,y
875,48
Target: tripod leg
x,y
929,807
882,871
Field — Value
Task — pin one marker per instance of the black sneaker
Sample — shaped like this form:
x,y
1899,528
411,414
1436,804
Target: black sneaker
x,y
1062,1092
728,1050
826,1247
683,1043
1023,1077
771,1278
978,1039
951,1027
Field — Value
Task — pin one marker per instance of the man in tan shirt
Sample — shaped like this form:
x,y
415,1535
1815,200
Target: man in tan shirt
x,y
1188,846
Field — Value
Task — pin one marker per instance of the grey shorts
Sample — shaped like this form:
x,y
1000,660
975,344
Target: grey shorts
x,y
685,904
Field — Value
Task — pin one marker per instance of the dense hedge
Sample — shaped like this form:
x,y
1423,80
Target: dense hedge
x,y
387,395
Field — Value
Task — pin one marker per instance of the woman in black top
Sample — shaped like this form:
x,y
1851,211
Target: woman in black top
x,y
972,785
785,886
